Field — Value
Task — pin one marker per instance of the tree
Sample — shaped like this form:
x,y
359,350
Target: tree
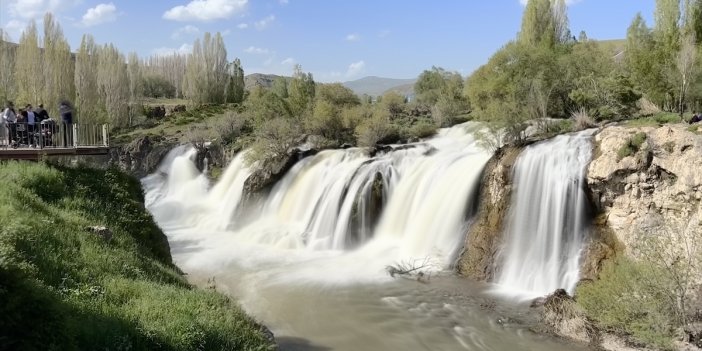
x,y
28,66
336,94
235,84
280,87
301,91
113,84
58,68
687,65
136,85
206,72
538,27
89,103
7,65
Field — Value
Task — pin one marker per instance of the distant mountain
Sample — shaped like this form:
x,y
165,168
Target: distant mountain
x,y
375,86
260,80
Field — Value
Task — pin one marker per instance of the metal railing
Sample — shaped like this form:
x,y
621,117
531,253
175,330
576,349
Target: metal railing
x,y
53,135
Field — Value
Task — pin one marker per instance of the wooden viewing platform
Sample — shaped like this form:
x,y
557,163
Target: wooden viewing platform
x,y
53,140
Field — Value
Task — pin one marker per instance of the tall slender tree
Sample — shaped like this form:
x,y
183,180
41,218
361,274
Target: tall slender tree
x,y
58,68
206,72
235,84
7,65
89,104
135,85
28,66
113,84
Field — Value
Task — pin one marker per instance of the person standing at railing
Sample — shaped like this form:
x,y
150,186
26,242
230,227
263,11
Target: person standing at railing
x,y
9,120
67,121
42,114
31,126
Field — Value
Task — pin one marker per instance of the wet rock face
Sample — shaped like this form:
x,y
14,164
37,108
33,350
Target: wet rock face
x,y
272,170
140,157
484,237
659,187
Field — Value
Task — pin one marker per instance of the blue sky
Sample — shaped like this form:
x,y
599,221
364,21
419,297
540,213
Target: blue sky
x,y
336,40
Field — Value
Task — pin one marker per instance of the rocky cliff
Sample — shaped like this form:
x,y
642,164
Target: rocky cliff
x,y
482,243
651,189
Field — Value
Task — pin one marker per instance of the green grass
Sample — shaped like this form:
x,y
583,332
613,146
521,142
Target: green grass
x,y
656,120
624,302
64,288
632,145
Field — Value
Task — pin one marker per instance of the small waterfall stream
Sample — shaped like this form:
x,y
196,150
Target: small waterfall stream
x,y
548,221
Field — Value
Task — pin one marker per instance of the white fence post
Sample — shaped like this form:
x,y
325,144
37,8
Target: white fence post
x,y
75,135
105,143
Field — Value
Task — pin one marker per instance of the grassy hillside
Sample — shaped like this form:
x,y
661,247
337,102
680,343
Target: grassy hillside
x,y
63,287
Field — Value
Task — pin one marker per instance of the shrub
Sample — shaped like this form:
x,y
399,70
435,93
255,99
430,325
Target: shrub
x,y
623,302
581,120
377,130
632,145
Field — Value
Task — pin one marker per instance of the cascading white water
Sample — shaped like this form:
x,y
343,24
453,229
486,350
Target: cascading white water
x,y
331,201
547,223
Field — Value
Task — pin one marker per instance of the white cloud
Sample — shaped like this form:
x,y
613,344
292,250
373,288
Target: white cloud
x,y
288,61
355,69
242,25
206,10
226,32
14,29
182,50
283,2
264,23
185,31
255,50
102,13
353,37
28,9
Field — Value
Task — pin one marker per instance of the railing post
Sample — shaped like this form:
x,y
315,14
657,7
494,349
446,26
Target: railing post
x,y
75,135
105,143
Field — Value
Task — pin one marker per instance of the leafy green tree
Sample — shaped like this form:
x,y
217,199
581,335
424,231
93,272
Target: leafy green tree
x,y
280,87
301,91
58,67
337,95
136,86
264,105
235,84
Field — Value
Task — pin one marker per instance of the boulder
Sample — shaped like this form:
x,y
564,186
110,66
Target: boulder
x,y
101,231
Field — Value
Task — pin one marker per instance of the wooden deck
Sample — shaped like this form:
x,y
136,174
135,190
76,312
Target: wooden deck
x,y
34,154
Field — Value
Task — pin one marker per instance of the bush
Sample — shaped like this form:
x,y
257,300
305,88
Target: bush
x,y
632,146
581,120
377,130
622,301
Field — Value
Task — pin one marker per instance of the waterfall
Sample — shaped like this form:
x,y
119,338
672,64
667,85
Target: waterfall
x,y
547,221
412,202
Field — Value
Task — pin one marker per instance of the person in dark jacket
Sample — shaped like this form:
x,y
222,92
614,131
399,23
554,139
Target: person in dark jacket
x,y
41,113
67,123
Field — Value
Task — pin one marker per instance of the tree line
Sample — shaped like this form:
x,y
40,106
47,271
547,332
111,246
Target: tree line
x,y
548,72
106,86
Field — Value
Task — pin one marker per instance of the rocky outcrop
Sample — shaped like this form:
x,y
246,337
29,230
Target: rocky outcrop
x,y
272,170
650,190
482,243
140,157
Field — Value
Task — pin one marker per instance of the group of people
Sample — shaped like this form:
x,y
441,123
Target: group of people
x,y
35,128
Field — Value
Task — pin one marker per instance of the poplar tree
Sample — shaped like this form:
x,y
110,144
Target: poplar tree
x,y
538,25
7,65
28,68
89,104
134,74
58,68
235,85
113,84
206,72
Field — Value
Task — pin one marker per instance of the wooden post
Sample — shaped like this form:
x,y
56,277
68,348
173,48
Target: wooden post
x,y
75,135
104,136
